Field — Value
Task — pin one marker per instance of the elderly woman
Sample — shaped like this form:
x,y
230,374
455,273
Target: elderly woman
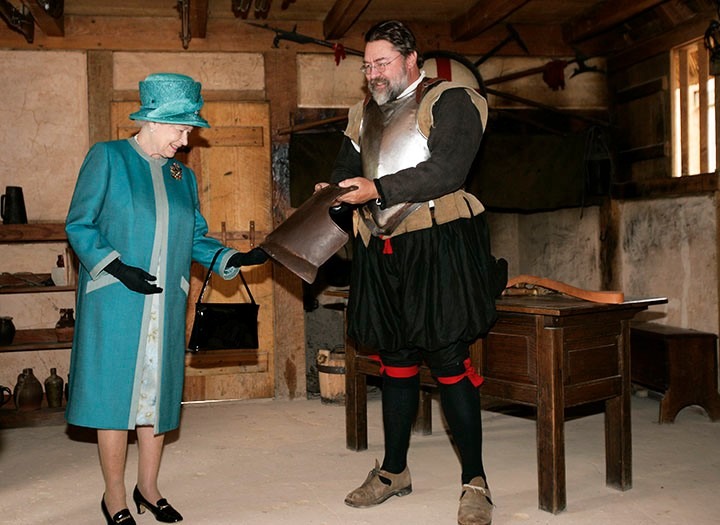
x,y
135,224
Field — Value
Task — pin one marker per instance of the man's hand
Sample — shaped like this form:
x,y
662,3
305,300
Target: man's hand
x,y
135,279
366,191
254,256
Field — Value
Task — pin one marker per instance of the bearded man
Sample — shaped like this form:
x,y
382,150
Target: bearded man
x,y
423,282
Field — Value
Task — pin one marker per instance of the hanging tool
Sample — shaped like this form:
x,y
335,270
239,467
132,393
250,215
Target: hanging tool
x,y
262,8
22,22
579,59
294,36
240,8
185,34
514,35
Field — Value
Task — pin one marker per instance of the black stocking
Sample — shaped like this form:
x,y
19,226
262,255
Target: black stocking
x,y
400,398
461,406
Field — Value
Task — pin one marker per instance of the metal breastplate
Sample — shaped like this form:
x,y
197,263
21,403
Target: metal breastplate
x,y
390,141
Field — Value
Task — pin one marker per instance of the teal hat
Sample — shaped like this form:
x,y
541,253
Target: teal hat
x,y
170,98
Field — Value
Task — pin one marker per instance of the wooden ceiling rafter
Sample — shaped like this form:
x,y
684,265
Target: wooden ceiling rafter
x,y
548,27
341,16
48,15
680,34
675,13
482,16
199,18
602,17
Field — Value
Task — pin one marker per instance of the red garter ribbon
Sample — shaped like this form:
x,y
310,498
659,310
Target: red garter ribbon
x,y
470,373
400,372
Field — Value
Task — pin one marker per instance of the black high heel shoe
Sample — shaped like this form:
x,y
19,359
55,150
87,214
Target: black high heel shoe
x,y
122,516
163,511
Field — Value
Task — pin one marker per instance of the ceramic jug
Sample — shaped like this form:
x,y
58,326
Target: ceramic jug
x,y
28,391
54,389
7,330
12,206
65,326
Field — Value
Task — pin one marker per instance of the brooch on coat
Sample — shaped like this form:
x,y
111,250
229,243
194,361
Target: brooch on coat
x,y
176,171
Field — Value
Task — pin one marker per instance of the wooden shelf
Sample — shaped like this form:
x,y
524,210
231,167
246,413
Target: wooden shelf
x,y
35,232
10,417
35,289
38,339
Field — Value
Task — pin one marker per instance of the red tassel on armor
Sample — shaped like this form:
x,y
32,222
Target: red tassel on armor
x,y
387,247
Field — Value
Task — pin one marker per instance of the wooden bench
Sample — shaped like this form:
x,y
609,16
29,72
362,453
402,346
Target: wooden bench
x,y
680,363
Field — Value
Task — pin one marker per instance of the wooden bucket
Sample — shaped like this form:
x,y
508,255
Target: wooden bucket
x,y
331,375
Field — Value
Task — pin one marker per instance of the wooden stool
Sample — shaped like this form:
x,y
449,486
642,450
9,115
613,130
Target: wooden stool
x,y
678,362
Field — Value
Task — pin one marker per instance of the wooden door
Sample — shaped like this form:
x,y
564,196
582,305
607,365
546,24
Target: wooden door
x,y
232,163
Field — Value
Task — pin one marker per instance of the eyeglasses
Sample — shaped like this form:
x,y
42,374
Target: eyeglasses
x,y
378,66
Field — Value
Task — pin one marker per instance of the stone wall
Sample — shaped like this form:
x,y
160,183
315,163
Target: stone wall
x,y
668,248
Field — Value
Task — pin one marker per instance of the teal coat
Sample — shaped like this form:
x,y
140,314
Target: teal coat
x,y
127,204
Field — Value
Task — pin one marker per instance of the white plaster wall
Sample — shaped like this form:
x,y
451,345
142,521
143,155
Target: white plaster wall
x,y
582,91
216,71
563,245
504,238
668,249
44,130
322,83
44,138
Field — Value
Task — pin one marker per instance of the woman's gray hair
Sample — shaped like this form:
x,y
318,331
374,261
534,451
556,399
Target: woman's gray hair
x,y
398,34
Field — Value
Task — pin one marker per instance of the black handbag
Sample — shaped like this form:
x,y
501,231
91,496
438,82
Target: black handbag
x,y
224,326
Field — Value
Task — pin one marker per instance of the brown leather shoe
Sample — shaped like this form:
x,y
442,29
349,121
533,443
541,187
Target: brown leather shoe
x,y
476,506
373,491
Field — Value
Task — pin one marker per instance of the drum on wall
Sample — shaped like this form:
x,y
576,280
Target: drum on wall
x,y
455,67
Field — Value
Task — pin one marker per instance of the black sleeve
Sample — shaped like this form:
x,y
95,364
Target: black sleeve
x,y
347,163
453,143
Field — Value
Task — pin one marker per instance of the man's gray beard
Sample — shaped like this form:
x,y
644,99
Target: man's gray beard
x,y
385,96
392,91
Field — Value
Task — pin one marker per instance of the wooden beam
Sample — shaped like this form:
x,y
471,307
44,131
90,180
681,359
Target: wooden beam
x,y
482,16
198,18
693,28
235,35
342,16
603,16
48,16
100,94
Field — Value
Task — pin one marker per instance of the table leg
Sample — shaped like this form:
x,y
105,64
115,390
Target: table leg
x,y
618,436
550,423
355,402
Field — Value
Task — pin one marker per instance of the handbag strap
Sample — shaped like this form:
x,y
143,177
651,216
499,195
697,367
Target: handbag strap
x,y
209,273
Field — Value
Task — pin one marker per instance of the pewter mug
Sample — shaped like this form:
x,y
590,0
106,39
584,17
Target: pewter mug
x,y
12,206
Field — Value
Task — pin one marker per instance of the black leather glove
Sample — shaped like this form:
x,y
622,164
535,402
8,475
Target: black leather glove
x,y
254,256
135,279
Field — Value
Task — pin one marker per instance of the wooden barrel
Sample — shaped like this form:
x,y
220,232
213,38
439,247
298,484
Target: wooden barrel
x,y
331,376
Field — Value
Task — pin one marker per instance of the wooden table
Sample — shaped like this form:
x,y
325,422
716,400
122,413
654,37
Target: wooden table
x,y
550,352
